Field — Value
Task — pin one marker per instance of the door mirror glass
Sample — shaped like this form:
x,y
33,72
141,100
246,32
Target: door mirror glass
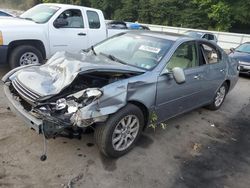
x,y
179,75
60,22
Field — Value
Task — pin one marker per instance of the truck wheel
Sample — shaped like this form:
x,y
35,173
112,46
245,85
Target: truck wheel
x,y
118,135
219,97
25,55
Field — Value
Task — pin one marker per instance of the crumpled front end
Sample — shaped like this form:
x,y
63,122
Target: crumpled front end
x,y
90,99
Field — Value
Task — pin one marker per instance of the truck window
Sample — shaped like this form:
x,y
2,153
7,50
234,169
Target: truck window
x,y
93,19
73,17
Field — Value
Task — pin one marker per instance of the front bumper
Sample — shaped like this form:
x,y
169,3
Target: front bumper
x,y
16,107
244,68
3,54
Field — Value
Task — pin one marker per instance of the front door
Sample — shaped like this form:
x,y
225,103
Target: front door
x,y
172,98
72,37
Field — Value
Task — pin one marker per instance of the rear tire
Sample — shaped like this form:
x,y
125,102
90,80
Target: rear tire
x,y
219,97
106,134
25,55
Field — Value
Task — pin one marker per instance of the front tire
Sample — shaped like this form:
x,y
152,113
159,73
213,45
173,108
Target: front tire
x,y
25,55
119,134
219,97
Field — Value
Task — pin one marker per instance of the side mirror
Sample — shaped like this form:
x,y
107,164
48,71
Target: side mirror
x,y
60,22
232,50
179,75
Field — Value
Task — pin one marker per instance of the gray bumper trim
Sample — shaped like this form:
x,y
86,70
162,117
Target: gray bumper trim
x,y
16,107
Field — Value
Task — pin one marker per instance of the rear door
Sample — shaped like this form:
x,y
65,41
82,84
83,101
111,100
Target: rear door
x,y
72,37
173,98
97,27
217,67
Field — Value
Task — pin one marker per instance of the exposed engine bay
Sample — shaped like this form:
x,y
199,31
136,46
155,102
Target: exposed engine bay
x,y
62,111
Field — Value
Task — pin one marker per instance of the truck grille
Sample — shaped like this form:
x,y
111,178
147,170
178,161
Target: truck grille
x,y
26,94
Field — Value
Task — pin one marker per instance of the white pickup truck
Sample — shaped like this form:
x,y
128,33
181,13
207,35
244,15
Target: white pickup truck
x,y
47,28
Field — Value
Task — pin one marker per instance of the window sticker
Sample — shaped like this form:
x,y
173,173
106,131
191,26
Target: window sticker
x,y
150,49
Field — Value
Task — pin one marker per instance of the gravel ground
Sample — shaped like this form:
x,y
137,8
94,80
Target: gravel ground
x,y
199,149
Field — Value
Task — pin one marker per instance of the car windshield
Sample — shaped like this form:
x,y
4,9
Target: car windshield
x,y
40,13
193,34
4,13
244,48
134,50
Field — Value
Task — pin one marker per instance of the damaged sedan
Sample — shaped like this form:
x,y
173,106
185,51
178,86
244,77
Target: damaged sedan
x,y
116,85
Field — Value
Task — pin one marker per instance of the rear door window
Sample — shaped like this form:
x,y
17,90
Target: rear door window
x,y
210,54
93,19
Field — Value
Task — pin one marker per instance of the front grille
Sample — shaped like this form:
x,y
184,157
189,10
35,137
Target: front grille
x,y
26,94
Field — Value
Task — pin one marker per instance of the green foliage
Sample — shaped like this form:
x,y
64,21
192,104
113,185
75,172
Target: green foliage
x,y
240,10
153,121
18,4
201,14
221,14
128,11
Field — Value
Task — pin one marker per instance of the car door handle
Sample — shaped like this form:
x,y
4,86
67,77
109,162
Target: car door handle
x,y
197,77
222,70
82,34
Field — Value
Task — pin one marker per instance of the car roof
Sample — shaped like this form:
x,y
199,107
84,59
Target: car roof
x,y
202,32
66,6
159,34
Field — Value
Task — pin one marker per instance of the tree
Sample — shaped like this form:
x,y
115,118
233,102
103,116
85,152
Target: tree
x,y
128,12
240,9
221,14
145,12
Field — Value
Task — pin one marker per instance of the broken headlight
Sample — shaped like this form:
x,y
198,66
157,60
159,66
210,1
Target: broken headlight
x,y
92,93
61,104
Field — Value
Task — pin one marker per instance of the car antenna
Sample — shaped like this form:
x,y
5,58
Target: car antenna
x,y
44,155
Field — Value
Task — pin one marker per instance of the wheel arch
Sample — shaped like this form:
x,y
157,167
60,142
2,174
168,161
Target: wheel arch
x,y
228,84
144,110
35,43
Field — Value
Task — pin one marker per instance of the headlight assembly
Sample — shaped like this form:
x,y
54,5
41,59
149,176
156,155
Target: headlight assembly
x,y
61,104
92,93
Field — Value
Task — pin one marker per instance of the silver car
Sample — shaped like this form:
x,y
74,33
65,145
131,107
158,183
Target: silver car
x,y
115,87
202,35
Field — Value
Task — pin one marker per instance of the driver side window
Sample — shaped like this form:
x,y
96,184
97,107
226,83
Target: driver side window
x,y
184,57
73,17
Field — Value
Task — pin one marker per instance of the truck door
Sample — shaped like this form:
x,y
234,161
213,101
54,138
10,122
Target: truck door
x,y
71,35
97,27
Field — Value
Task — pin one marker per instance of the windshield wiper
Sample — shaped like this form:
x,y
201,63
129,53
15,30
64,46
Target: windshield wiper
x,y
27,19
113,58
93,50
90,49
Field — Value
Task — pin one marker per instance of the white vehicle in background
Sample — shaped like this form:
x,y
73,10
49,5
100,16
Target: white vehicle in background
x,y
5,13
202,35
47,28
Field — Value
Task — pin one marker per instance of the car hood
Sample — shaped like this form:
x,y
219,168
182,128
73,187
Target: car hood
x,y
245,57
6,22
61,70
